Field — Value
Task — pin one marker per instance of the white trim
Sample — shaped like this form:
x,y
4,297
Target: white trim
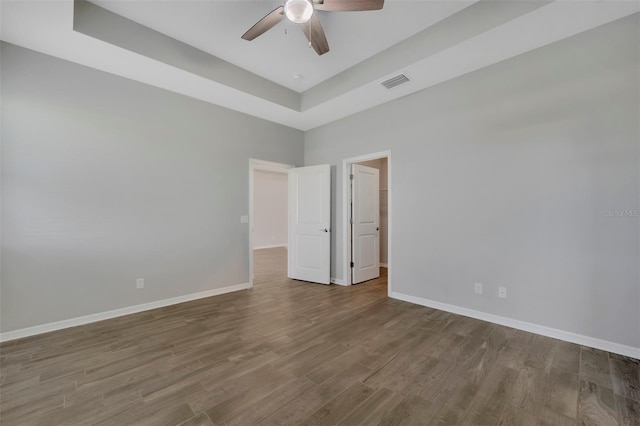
x,y
346,195
272,246
338,281
567,336
269,166
73,322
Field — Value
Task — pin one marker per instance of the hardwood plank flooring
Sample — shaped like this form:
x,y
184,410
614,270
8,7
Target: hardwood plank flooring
x,y
295,353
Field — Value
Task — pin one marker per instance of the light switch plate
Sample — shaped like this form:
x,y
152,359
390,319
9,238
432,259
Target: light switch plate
x,y
244,219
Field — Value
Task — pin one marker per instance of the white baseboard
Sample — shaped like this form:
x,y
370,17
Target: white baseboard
x,y
73,322
579,339
338,281
267,247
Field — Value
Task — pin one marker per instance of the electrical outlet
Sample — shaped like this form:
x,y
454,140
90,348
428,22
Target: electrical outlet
x,y
478,288
140,283
502,292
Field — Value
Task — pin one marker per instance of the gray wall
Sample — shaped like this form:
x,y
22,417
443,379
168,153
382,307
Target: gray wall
x,y
105,180
506,176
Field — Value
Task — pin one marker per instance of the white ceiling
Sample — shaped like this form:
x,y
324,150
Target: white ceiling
x,y
430,41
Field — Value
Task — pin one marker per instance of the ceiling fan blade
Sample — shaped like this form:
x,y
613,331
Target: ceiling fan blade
x,y
315,34
348,5
265,24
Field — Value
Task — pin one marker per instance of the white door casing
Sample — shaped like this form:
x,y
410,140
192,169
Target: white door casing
x,y
366,223
310,224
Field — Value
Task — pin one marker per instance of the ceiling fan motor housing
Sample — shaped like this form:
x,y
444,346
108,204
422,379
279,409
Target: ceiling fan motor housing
x,y
298,11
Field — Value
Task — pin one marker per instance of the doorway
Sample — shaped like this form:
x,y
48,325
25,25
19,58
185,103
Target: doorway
x,y
267,211
308,214
381,162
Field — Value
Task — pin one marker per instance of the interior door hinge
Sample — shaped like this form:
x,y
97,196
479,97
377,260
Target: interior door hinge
x,y
351,177
351,221
352,265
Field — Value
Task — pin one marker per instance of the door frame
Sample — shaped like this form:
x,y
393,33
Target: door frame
x,y
268,166
346,201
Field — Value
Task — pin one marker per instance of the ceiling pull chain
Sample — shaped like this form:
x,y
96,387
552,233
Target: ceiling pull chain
x,y
284,14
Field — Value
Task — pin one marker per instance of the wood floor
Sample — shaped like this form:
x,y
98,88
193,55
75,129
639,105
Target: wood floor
x,y
292,353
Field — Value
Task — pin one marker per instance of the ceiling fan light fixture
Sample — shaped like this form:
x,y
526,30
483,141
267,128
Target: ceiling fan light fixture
x,y
298,11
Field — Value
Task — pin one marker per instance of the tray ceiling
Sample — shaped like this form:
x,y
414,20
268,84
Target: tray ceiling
x,y
428,41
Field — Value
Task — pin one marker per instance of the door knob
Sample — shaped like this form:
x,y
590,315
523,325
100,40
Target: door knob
x,y
325,230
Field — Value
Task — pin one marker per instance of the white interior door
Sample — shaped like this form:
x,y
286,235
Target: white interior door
x,y
365,228
310,224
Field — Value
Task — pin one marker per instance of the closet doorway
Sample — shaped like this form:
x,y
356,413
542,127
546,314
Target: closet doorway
x,y
367,217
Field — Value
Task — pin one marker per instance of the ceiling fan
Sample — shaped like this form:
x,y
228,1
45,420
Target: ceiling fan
x,y
302,12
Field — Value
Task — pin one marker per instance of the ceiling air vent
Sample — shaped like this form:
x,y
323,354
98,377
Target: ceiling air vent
x,y
395,81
